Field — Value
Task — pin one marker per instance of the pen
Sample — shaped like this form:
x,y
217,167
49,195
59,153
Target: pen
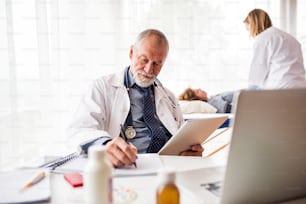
x,y
123,136
215,136
217,150
40,176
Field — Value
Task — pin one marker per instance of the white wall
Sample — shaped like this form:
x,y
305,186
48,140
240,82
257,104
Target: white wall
x,y
51,50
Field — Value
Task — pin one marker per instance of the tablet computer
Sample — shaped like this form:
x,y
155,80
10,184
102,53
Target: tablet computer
x,y
192,132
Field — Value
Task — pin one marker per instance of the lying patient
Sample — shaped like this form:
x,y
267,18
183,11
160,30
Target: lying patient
x,y
222,102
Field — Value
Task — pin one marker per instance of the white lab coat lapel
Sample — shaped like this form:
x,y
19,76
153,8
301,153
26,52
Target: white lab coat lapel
x,y
163,112
121,105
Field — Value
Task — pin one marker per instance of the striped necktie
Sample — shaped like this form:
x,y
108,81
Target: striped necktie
x,y
158,135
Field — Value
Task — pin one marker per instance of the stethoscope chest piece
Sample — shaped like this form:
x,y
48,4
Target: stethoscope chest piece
x,y
130,132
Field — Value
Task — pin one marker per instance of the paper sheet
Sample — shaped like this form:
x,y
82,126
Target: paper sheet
x,y
12,183
147,164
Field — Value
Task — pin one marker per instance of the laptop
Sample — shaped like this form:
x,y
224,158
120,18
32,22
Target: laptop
x,y
267,156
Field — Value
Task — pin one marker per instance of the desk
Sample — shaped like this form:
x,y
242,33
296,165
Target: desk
x,y
145,186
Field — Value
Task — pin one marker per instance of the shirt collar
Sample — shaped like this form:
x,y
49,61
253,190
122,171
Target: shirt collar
x,y
130,81
131,78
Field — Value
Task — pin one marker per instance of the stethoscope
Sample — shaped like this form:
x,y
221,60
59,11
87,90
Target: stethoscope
x,y
130,131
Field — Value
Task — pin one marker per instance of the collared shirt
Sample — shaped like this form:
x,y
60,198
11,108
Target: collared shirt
x,y
142,139
143,134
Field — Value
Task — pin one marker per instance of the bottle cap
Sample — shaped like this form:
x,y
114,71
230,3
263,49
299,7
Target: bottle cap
x,y
96,152
167,176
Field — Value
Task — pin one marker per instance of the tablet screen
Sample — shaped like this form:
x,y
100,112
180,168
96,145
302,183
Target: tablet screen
x,y
192,132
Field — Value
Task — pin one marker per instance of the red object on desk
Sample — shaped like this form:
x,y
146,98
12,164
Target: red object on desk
x,y
74,179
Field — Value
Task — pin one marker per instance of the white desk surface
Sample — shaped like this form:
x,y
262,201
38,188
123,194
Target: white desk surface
x,y
145,186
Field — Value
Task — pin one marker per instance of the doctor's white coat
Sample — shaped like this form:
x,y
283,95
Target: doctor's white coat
x,y
106,105
277,61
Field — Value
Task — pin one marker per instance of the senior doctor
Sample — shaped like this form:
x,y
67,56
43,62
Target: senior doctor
x,y
277,61
125,98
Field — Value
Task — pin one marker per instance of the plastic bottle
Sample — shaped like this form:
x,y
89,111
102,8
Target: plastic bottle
x,y
97,177
167,191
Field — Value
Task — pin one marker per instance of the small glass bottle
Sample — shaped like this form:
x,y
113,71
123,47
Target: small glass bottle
x,y
167,191
97,177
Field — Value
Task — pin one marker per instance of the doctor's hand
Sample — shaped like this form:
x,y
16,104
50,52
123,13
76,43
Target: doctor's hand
x,y
120,152
195,150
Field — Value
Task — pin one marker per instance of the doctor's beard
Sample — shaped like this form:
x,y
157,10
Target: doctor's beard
x,y
143,79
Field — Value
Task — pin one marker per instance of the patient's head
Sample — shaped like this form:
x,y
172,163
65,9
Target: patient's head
x,y
193,94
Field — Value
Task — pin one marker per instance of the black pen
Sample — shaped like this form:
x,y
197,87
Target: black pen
x,y
123,136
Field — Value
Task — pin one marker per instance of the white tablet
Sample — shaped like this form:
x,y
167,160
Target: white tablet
x,y
192,132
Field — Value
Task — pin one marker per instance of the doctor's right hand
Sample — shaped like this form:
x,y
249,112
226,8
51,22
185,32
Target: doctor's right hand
x,y
120,152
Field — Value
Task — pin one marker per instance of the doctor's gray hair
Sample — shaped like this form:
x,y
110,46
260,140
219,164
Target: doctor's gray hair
x,y
160,37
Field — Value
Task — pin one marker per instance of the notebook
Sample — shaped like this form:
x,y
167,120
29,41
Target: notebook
x,y
267,158
147,164
194,131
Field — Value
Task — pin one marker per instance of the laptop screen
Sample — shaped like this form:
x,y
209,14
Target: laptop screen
x,y
267,158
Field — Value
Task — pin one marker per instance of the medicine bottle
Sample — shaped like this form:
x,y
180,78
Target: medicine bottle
x,y
97,177
167,191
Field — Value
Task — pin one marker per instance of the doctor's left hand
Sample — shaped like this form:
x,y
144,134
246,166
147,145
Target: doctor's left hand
x,y
120,152
195,150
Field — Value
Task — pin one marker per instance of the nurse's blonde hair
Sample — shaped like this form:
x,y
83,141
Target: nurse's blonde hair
x,y
258,20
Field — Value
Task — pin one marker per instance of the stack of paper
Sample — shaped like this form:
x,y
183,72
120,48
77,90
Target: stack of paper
x,y
12,183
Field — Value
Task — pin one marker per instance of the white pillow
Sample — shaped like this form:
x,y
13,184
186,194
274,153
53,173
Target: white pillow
x,y
196,106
